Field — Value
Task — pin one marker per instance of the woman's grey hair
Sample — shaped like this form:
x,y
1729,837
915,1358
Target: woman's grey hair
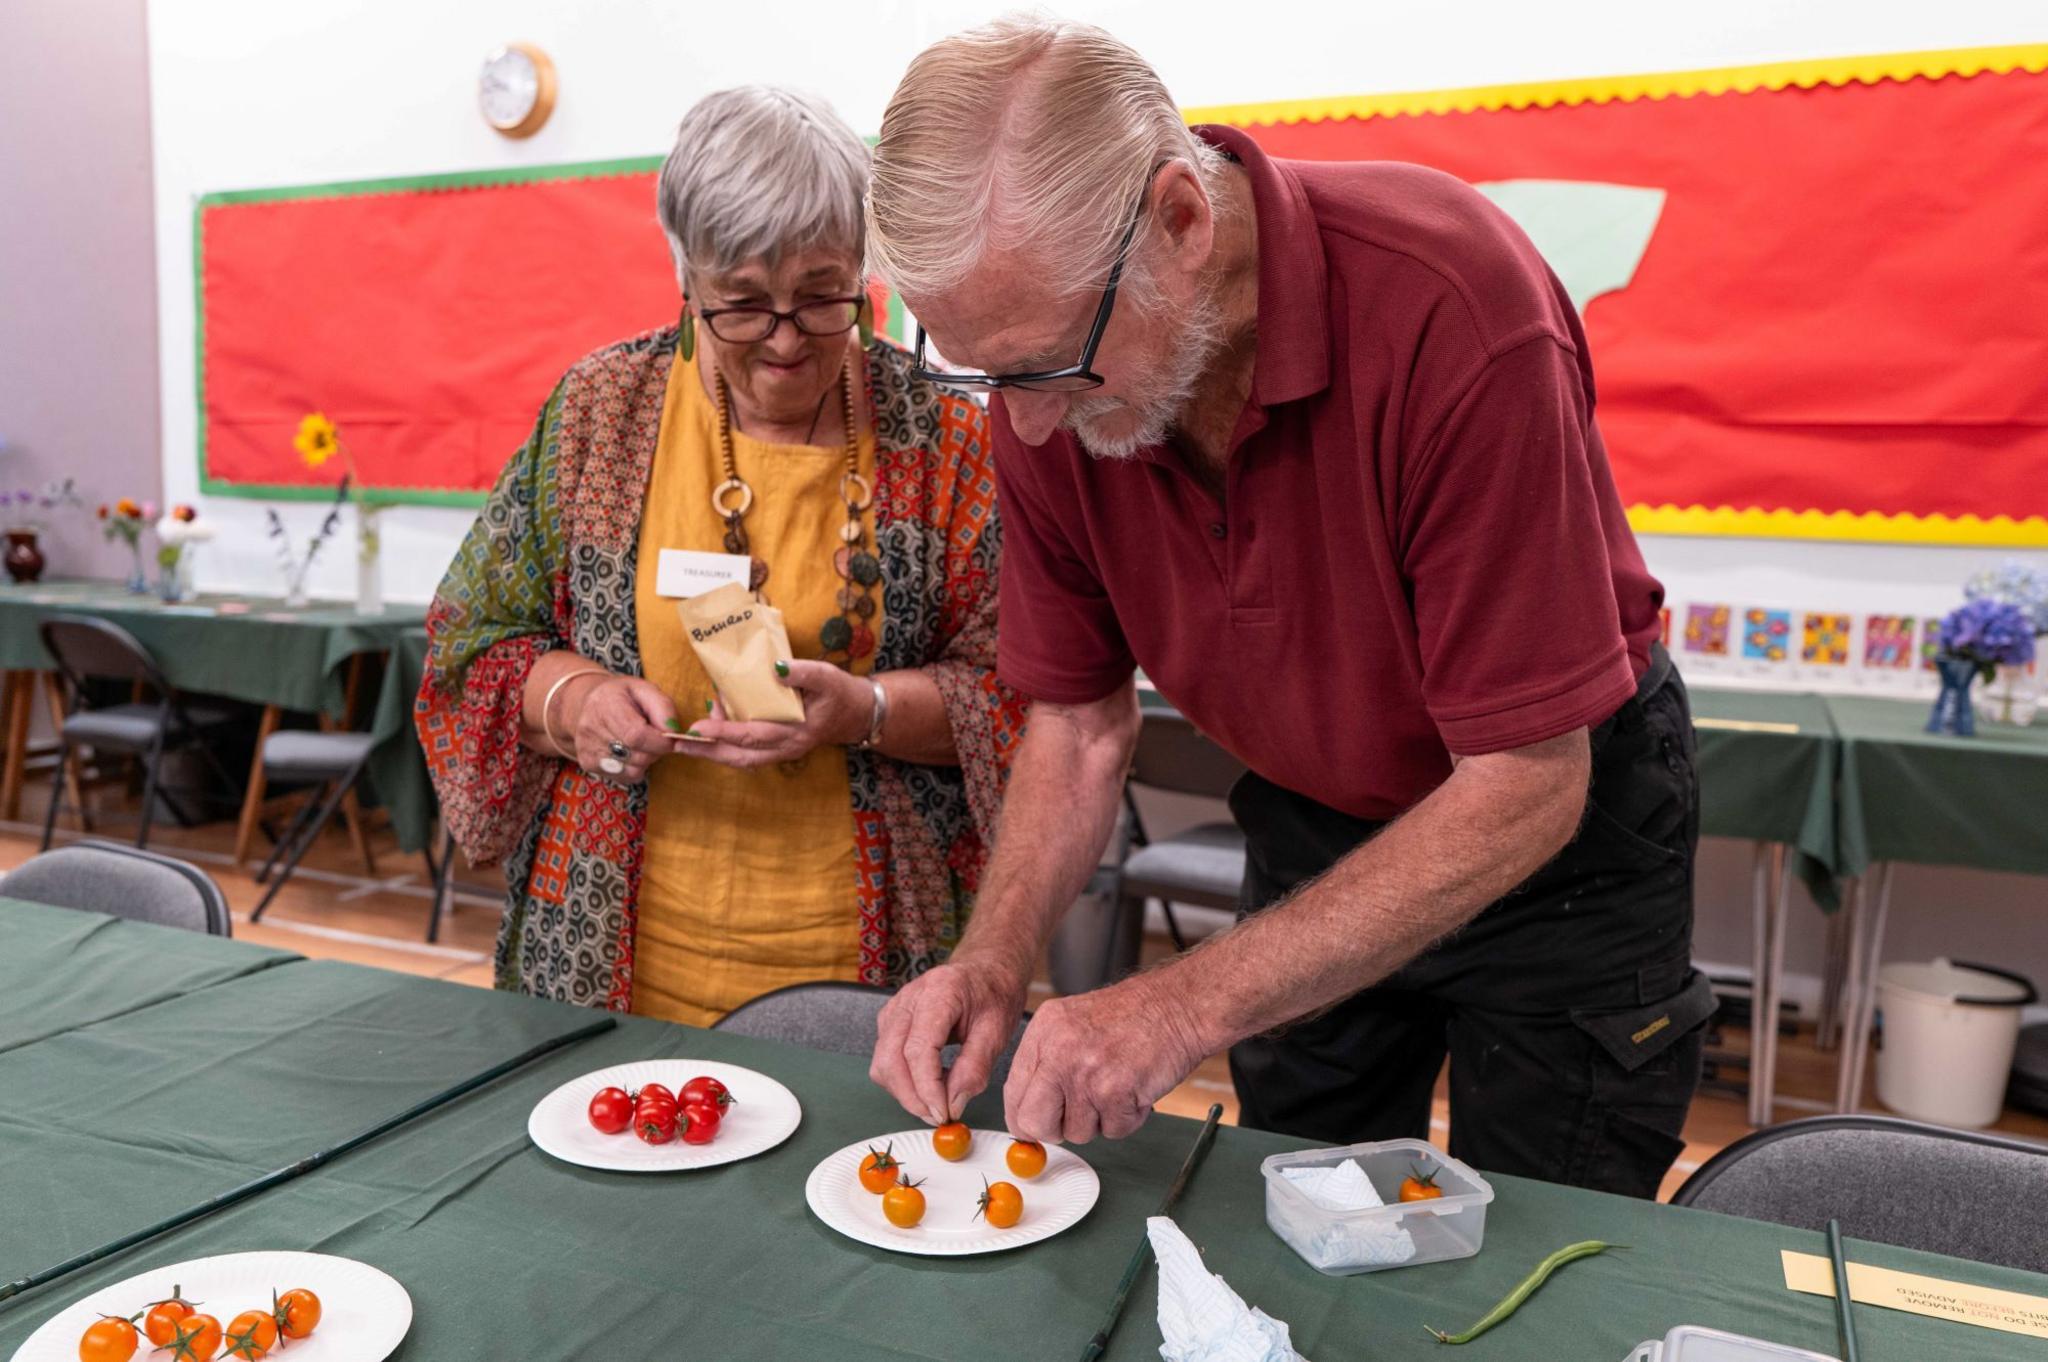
x,y
758,172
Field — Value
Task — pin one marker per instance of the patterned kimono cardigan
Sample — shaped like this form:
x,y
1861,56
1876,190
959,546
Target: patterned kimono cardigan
x,y
550,564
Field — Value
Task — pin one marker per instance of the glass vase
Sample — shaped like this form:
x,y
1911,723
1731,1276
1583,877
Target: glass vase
x,y
2012,697
1952,709
174,579
138,579
369,560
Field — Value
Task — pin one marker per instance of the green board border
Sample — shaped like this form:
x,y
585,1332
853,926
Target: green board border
x,y
399,184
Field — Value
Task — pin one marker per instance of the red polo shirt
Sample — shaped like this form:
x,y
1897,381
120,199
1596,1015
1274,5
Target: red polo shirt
x,y
1419,551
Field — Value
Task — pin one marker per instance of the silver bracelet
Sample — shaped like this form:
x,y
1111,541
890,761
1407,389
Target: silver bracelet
x,y
874,736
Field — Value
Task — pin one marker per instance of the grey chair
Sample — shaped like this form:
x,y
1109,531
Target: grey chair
x,y
126,882
86,648
1098,942
332,763
838,1018
1958,1192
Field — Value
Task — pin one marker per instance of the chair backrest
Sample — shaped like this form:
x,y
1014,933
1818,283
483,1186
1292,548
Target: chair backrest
x,y
1173,755
84,647
1918,1186
838,1018
124,881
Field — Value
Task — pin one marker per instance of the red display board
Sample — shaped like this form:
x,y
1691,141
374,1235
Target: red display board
x,y
1839,328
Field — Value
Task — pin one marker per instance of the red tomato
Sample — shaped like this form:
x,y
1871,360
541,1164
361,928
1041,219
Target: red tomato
x,y
109,1339
654,1090
611,1111
655,1122
700,1123
705,1091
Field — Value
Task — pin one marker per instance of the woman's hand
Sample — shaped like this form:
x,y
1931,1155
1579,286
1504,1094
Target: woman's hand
x,y
627,710
838,707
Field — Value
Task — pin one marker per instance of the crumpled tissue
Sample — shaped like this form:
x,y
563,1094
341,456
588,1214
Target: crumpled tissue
x,y
1339,1244
1200,1318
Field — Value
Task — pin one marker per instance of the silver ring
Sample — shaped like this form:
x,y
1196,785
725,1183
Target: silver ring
x,y
612,766
618,749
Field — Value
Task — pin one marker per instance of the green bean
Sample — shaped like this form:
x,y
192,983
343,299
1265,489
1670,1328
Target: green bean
x,y
1513,1300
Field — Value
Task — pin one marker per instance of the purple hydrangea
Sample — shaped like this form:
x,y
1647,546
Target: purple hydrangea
x,y
1989,633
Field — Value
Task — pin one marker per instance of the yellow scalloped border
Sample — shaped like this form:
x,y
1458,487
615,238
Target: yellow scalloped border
x,y
1836,71
1754,522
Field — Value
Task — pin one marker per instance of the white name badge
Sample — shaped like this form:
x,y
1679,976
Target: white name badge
x,y
683,573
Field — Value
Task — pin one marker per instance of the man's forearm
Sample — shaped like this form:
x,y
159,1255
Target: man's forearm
x,y
1061,804
1484,831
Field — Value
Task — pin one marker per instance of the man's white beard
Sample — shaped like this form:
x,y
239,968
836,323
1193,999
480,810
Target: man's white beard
x,y
1118,427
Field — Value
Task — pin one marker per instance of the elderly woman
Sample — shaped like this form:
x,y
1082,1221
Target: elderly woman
x,y
680,873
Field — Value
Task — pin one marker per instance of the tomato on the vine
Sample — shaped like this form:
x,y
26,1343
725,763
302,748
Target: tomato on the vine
x,y
250,1335
297,1312
952,1140
195,1338
611,1111
160,1322
1001,1203
655,1091
109,1338
903,1204
878,1169
655,1122
707,1091
699,1124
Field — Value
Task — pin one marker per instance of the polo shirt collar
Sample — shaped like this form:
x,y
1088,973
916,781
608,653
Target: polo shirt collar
x,y
1293,359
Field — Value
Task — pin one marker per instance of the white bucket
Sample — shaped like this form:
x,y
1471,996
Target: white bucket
x,y
1949,1033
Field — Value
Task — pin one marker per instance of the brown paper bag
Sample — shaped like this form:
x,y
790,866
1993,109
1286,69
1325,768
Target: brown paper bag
x,y
739,641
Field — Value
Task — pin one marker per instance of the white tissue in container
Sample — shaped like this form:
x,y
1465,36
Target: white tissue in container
x,y
1310,1199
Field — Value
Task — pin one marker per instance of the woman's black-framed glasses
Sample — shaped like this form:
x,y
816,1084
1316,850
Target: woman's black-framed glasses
x,y
745,325
1077,377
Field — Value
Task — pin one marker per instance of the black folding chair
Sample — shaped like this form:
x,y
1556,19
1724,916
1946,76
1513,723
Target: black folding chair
x,y
86,648
332,763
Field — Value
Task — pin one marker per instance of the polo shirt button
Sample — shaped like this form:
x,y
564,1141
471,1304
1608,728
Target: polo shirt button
x,y
1217,530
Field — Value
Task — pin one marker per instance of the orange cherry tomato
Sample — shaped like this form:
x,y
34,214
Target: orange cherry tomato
x,y
109,1339
952,1140
878,1169
297,1312
1420,1186
250,1335
195,1338
1001,1203
161,1321
903,1204
1026,1158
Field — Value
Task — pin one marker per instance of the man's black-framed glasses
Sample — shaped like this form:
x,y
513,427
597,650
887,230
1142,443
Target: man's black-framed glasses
x,y
1077,377
745,325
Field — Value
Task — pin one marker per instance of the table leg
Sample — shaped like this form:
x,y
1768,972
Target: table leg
x,y
252,805
1863,1001
73,786
1780,914
14,699
351,807
1834,961
1759,991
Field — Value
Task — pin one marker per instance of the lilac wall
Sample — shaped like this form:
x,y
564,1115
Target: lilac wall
x,y
78,318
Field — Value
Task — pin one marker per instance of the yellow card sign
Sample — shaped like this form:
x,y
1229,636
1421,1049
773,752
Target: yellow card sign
x,y
1983,1306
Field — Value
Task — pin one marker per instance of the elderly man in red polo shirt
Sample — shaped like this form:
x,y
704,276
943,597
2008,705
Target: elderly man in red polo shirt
x,y
1313,444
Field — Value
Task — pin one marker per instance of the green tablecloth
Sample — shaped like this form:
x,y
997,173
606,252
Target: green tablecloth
x,y
508,1253
397,766
61,969
1764,785
247,648
1909,795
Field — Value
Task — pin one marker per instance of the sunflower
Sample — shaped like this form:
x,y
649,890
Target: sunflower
x,y
317,440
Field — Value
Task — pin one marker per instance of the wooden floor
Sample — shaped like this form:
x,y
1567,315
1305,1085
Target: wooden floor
x,y
334,909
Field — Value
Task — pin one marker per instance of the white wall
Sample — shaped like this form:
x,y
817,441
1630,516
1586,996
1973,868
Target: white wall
x,y
252,93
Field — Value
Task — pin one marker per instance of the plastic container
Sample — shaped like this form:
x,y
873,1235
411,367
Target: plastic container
x,y
1949,1033
1345,1243
1690,1343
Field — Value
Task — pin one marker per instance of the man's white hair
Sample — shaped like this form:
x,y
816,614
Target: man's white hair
x,y
759,172
1028,134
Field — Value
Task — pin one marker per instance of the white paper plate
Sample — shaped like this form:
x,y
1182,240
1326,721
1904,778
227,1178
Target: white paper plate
x,y
364,1313
763,1114
1054,1200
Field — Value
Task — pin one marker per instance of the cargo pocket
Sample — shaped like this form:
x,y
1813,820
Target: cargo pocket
x,y
1640,1039
1636,1115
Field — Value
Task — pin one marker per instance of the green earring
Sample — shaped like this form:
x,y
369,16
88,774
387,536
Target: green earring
x,y
867,326
686,336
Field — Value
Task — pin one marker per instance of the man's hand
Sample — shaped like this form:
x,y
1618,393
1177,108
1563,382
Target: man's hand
x,y
973,999
1094,1064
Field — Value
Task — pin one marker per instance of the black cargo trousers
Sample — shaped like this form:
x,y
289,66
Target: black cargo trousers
x,y
1569,1009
